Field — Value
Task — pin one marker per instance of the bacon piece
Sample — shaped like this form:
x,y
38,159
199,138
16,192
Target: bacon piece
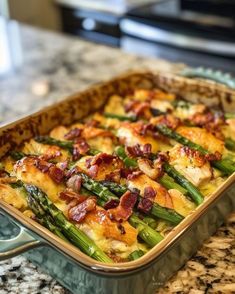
x,y
63,165
124,210
102,158
56,174
146,202
68,195
74,183
138,150
148,168
134,174
145,128
215,156
169,120
111,204
73,134
92,123
139,108
80,147
79,212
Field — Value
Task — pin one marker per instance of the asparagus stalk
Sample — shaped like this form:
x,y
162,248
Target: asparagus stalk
x,y
226,166
150,236
230,144
135,255
17,155
120,117
76,236
43,218
67,145
156,211
193,192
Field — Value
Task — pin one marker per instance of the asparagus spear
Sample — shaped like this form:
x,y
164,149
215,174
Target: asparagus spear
x,y
43,218
150,236
120,117
193,192
135,255
157,210
67,145
230,144
17,155
226,166
76,236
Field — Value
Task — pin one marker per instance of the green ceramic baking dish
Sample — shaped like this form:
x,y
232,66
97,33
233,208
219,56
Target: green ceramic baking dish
x,y
66,263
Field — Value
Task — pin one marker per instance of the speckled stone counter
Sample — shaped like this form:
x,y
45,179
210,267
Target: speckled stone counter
x,y
55,66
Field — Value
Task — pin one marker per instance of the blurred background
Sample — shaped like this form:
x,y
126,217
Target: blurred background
x,y
185,30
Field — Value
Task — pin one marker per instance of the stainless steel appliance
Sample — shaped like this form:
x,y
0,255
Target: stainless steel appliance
x,y
195,32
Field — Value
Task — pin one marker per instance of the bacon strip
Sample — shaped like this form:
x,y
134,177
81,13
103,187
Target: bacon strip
x,y
68,195
73,134
55,173
138,150
125,208
79,212
147,201
80,148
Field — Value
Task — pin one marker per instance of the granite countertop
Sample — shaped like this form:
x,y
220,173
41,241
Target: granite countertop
x,y
55,66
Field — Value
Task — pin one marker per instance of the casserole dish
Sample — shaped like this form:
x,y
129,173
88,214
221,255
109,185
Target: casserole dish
x,y
72,268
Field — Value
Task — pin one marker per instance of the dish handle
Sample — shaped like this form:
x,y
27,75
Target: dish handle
x,y
24,241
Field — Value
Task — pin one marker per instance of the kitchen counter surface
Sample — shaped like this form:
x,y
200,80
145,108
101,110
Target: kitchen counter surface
x,y
55,66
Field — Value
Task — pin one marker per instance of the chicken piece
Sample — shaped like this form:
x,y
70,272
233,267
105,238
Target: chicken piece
x,y
161,105
142,181
26,171
50,151
180,203
115,105
109,235
103,169
202,137
12,196
59,133
107,122
191,164
185,110
129,134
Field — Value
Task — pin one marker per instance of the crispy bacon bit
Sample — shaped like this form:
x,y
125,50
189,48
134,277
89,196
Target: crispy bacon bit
x,y
169,120
146,202
121,229
74,183
80,147
3,173
73,134
102,158
147,167
79,212
210,121
68,195
51,153
56,174
42,165
71,172
145,128
215,156
111,204
138,150
124,210
139,108
134,174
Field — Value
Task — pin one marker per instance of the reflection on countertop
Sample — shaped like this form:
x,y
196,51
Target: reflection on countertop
x,y
56,66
